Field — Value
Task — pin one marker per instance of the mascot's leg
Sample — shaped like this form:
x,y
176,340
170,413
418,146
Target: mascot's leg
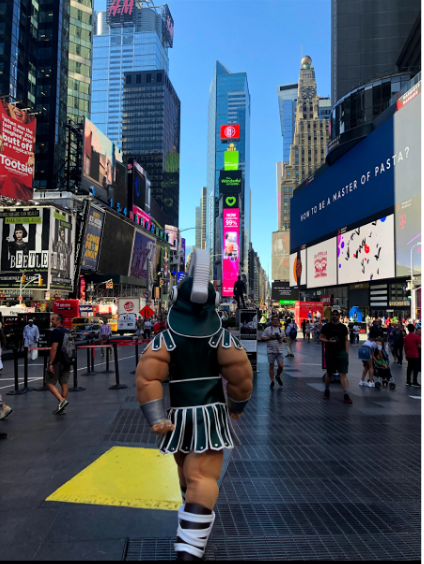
x,y
201,473
179,459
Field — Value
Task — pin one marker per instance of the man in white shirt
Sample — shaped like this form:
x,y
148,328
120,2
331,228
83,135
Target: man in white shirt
x,y
355,330
105,333
275,336
31,336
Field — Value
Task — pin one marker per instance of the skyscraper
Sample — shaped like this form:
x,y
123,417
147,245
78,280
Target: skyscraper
x,y
229,103
151,123
366,39
79,64
287,97
201,220
127,38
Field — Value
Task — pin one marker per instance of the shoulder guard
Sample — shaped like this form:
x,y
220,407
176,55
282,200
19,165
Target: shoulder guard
x,y
164,337
227,340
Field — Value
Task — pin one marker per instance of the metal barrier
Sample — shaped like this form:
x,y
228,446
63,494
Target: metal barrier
x,y
16,391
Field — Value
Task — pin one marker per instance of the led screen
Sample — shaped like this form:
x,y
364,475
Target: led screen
x,y
367,252
321,267
230,250
280,255
408,234
117,242
297,269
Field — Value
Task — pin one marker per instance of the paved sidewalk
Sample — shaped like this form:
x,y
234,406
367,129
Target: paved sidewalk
x,y
312,480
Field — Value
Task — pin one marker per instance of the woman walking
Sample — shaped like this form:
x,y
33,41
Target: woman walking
x,y
365,353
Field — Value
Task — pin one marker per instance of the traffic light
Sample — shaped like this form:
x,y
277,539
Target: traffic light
x,y
40,281
161,282
23,278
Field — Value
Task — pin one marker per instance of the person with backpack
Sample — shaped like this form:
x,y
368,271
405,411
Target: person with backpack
x,y
291,336
62,356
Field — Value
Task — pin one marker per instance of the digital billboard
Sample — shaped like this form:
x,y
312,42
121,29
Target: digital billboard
x,y
231,160
17,138
116,246
297,268
144,250
120,11
173,236
100,158
91,243
62,236
25,246
230,181
407,235
231,201
167,26
140,186
382,170
280,255
281,292
367,252
322,264
231,131
230,250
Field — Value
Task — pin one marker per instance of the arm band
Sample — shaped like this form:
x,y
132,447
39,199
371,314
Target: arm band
x,y
236,407
154,411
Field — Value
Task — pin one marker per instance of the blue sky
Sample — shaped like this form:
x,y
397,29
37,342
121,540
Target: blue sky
x,y
263,38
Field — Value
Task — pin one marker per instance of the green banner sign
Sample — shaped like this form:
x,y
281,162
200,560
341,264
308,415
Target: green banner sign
x,y
287,302
231,160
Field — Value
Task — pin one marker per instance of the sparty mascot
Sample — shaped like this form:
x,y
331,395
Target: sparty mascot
x,y
197,353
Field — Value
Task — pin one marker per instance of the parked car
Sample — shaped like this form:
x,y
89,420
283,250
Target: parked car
x,y
127,323
78,331
92,332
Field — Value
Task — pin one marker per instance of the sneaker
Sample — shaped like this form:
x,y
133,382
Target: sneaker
x,y
371,384
416,385
63,412
347,399
326,394
408,384
272,385
362,383
278,378
6,410
287,355
61,406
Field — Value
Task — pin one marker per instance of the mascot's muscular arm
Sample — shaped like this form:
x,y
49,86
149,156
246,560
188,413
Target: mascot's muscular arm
x,y
152,370
237,370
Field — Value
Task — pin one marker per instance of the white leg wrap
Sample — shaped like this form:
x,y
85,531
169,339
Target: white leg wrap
x,y
196,539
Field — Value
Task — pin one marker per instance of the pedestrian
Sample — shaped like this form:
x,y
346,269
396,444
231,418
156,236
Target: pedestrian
x,y
367,321
310,315
412,347
397,336
291,334
147,324
31,336
5,410
57,370
304,329
355,331
336,339
309,330
139,327
318,327
365,353
275,336
376,330
159,326
239,291
105,333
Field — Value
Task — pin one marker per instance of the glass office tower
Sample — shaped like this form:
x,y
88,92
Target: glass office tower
x,y
229,103
135,43
287,98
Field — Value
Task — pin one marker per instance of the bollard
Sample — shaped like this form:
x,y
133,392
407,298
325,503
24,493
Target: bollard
x,y
117,386
136,358
43,388
107,371
93,354
75,387
88,373
26,373
16,391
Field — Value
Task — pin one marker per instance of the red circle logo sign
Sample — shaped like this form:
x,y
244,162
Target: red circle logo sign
x,y
230,131
129,306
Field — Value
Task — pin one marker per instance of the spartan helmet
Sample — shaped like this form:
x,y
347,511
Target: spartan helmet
x,y
194,301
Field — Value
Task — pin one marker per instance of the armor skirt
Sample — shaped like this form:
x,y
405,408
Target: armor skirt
x,y
198,429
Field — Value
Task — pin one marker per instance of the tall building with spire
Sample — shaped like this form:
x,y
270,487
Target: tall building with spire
x,y
307,151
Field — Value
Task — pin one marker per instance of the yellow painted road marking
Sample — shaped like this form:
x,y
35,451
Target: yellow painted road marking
x,y
126,477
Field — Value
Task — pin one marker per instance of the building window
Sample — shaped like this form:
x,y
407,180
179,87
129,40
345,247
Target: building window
x,y
148,77
159,77
128,79
138,79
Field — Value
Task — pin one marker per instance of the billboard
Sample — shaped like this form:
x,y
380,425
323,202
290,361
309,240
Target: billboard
x,y
367,252
322,264
91,243
230,250
24,246
230,181
120,11
231,160
140,187
144,250
116,246
100,158
408,234
382,170
231,131
231,201
17,138
297,269
62,237
167,26
173,236
280,255
281,292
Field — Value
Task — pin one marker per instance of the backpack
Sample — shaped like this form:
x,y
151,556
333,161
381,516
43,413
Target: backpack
x,y
293,332
69,349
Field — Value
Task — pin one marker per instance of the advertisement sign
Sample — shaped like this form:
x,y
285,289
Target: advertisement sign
x,y
282,291
367,253
100,158
62,241
17,138
379,172
230,251
322,264
231,131
120,11
91,244
230,182
232,201
116,246
167,26
408,234
24,246
181,276
140,186
303,309
144,251
231,160
173,236
280,255
297,270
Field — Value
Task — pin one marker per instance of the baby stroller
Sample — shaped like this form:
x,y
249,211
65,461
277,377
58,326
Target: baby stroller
x,y
382,375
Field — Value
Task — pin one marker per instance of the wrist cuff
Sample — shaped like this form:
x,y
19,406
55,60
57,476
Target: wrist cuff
x,y
236,407
154,411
